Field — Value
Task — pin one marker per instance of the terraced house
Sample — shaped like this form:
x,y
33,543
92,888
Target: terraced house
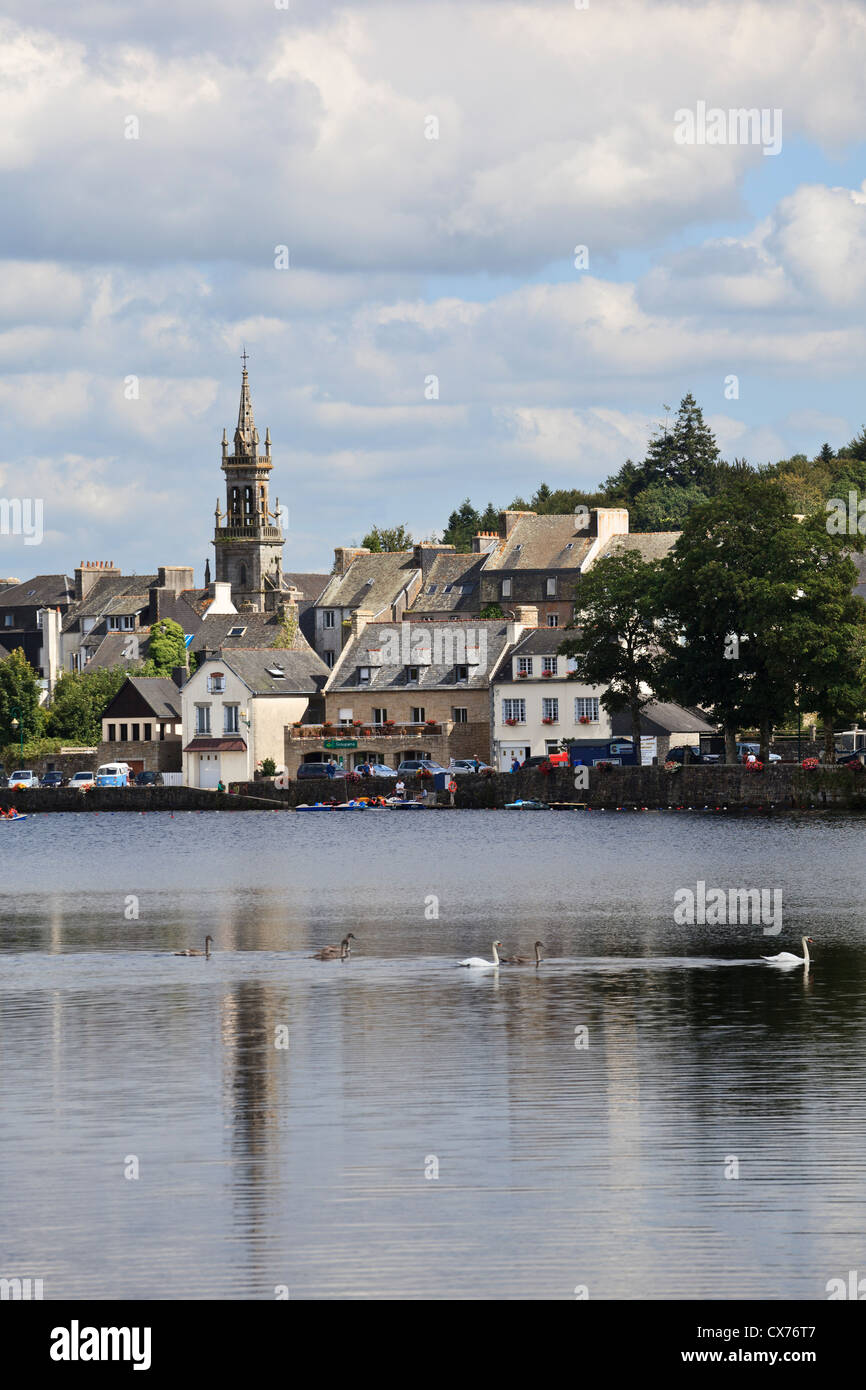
x,y
406,690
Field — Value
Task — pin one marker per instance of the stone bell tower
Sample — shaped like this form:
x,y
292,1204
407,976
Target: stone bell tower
x,y
248,537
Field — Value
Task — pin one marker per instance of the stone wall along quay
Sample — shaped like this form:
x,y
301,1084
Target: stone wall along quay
x,y
782,787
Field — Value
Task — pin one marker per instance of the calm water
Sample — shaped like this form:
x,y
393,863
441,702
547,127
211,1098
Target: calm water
x,y
262,1166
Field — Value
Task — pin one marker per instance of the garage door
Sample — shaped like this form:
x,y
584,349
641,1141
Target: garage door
x,y
208,769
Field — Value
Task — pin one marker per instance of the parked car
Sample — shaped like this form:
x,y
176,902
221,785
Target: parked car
x,y
686,753
81,780
317,770
743,750
113,775
24,780
848,759
52,779
410,766
555,760
381,770
463,765
148,779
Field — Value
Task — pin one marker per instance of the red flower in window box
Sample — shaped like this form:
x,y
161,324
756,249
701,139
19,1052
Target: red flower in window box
x,y
510,722
584,719
548,719
522,675
547,674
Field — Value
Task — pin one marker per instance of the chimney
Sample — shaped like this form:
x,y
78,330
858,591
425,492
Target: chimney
x,y
360,619
175,577
526,614
484,541
222,598
179,675
425,552
89,572
508,521
604,523
344,555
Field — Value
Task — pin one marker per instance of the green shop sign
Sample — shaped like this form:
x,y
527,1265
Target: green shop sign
x,y
341,743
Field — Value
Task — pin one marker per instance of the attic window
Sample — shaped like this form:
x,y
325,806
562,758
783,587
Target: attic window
x,y
277,672
448,588
570,545
30,593
369,581
431,588
236,631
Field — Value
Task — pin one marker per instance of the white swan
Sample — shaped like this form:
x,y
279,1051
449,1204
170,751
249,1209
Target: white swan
x,y
479,963
788,958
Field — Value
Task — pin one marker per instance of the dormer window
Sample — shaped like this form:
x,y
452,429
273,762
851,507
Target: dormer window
x,y
364,675
524,666
461,674
236,631
412,673
549,665
506,588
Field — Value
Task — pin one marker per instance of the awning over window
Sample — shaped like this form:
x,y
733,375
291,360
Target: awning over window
x,y
216,745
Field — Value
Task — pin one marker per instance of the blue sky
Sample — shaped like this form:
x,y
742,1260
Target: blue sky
x,y
254,127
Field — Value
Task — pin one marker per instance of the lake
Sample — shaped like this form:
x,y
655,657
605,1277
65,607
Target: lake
x,y
654,1113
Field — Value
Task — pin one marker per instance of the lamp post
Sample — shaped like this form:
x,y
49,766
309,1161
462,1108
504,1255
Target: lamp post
x,y
18,724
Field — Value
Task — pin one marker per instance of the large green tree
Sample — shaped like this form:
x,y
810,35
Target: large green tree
x,y
78,702
388,538
166,649
615,611
750,599
19,699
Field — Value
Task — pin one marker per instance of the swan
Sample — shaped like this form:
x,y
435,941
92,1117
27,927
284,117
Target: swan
x,y
336,952
525,960
205,952
479,963
788,958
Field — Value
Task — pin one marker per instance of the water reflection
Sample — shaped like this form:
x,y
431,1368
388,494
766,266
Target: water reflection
x,y
601,1164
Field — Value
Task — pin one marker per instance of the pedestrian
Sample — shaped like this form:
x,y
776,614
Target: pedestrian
x,y
515,765
221,786
400,788
477,762
332,767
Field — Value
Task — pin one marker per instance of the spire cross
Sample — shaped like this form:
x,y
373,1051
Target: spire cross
x,y
244,356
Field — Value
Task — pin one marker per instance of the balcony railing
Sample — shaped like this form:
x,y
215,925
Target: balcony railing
x,y
369,730
234,533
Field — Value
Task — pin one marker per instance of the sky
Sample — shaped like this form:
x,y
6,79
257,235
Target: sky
x,y
382,202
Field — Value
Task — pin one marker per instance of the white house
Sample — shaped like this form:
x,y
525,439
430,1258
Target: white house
x,y
236,708
535,705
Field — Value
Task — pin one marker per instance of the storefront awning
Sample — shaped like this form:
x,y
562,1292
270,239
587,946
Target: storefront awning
x,y
216,745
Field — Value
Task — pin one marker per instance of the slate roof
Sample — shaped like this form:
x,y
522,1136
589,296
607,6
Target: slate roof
x,y
43,591
445,582
104,593
551,542
310,585
260,630
372,581
305,672
108,650
159,693
650,545
662,718
487,638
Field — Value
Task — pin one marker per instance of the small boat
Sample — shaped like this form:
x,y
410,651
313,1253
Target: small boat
x,y
318,806
6,819
526,806
351,806
408,806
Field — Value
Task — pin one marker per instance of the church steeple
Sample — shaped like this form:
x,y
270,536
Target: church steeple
x,y
248,536
246,434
